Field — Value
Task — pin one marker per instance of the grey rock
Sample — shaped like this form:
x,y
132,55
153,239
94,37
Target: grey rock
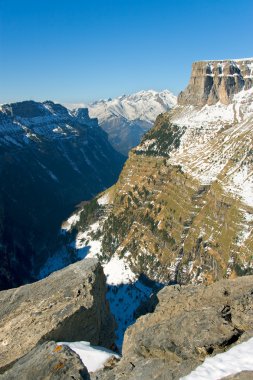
x,y
215,81
244,375
48,361
69,305
188,324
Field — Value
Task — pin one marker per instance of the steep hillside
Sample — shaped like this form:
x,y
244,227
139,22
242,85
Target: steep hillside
x,y
182,209
127,118
50,161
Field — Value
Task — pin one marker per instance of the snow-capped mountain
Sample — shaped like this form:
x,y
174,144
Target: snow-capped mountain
x,y
143,105
127,118
50,161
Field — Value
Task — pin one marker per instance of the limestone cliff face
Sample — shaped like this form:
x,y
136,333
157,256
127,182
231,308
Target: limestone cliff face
x,y
69,305
215,81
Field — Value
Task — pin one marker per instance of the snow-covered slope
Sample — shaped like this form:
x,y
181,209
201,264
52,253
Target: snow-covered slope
x,y
215,144
127,118
223,144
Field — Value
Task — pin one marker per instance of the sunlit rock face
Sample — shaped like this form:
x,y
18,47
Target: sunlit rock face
x,y
214,81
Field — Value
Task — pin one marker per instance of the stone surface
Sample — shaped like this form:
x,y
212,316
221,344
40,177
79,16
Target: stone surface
x,y
189,324
69,305
244,375
48,361
215,81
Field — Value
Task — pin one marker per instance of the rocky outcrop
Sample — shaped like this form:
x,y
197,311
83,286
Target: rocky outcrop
x,y
213,81
69,305
48,361
188,324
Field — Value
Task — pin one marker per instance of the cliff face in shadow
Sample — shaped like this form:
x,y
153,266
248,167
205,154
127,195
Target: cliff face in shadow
x,y
50,160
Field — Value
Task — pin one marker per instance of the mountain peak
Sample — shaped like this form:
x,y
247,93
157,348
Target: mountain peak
x,y
143,105
127,117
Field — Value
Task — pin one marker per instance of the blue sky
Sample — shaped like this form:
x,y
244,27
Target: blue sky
x,y
80,50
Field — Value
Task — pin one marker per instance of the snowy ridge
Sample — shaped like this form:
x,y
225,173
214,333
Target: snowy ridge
x,y
237,63
143,105
28,121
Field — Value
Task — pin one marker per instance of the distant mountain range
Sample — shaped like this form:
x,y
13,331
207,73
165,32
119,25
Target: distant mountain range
x,y
127,118
50,160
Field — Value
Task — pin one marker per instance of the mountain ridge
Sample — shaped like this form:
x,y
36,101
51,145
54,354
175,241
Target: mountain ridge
x,y
51,160
127,117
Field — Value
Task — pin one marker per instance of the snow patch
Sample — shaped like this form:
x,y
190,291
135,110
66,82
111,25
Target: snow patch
x,y
235,360
118,272
71,221
93,357
104,200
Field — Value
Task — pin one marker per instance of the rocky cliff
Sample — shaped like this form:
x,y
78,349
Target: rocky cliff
x,y
182,209
50,160
69,305
214,81
189,324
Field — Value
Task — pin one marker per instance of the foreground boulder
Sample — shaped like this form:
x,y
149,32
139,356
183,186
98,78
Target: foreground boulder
x,y
69,305
48,361
188,324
